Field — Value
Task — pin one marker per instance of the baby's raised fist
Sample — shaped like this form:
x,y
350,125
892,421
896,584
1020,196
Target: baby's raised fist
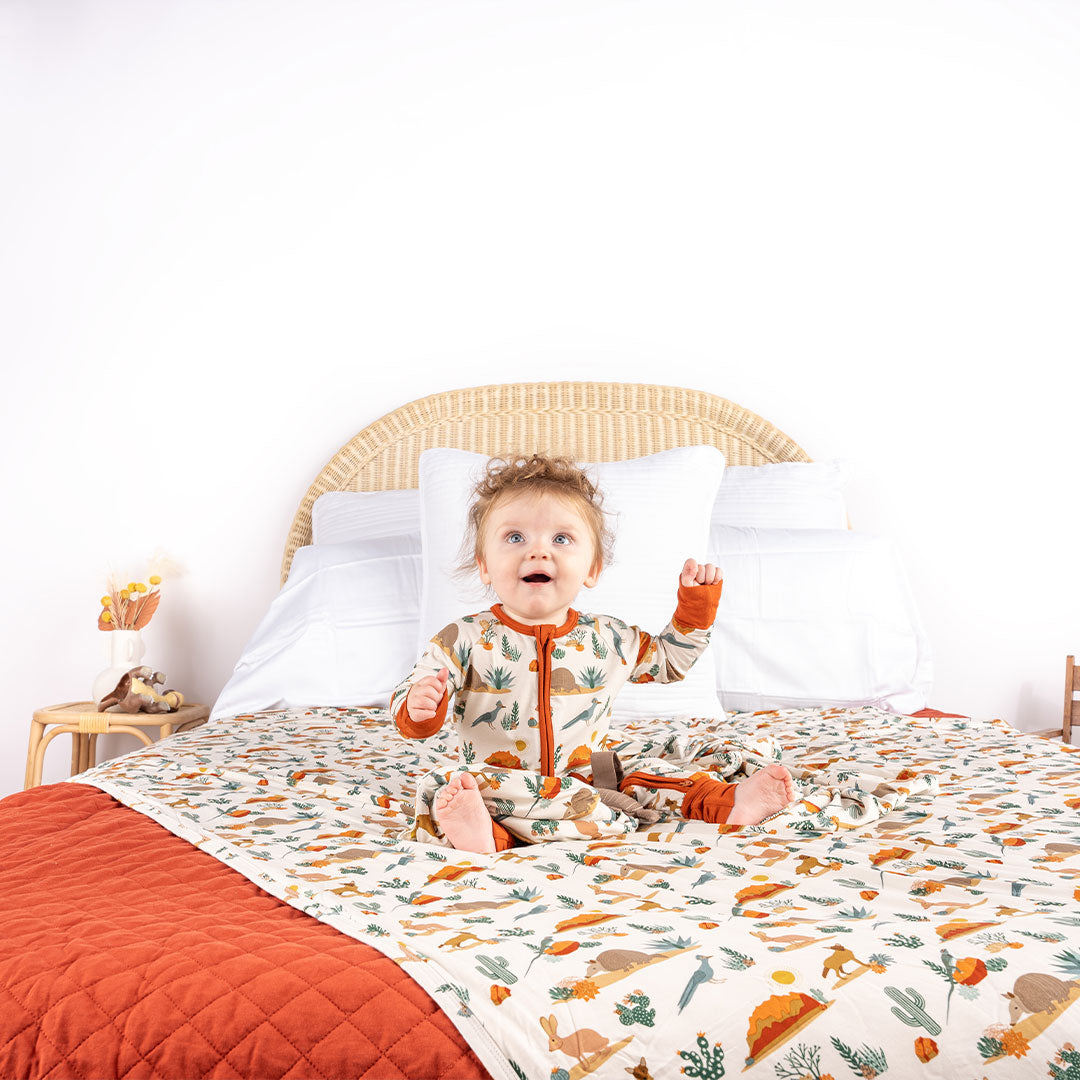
x,y
424,697
703,574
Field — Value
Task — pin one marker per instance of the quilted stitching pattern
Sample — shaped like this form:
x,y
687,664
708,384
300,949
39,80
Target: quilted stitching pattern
x,y
128,953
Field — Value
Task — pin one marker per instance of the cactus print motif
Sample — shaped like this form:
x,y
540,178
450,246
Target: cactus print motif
x,y
918,904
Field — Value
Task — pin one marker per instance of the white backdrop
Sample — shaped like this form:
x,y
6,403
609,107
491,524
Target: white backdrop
x,y
235,232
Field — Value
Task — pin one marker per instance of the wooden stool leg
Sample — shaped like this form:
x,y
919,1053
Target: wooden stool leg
x,y
33,767
1070,687
43,745
77,752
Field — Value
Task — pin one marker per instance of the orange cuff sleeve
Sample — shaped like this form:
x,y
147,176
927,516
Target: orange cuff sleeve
x,y
709,799
412,730
697,605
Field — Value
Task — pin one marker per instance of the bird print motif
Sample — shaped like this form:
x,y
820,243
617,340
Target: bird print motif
x,y
851,968
585,715
547,682
671,639
490,717
704,974
616,641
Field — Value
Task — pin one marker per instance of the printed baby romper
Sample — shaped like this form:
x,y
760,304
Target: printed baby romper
x,y
532,703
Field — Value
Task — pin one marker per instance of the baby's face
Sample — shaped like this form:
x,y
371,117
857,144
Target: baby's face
x,y
537,554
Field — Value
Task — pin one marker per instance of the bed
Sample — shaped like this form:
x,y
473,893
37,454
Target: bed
x,y
243,900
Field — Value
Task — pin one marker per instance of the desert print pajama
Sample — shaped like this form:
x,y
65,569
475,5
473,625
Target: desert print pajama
x,y
532,703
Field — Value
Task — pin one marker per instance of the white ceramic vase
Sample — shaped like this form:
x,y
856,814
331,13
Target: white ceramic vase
x,y
125,651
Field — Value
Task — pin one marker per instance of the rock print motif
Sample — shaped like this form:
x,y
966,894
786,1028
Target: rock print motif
x,y
934,922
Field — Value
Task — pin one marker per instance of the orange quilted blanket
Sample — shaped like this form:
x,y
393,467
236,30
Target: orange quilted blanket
x,y
126,952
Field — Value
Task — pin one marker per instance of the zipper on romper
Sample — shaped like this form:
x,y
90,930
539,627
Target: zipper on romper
x,y
545,635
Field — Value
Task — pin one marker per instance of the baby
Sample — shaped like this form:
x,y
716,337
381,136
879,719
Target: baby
x,y
533,680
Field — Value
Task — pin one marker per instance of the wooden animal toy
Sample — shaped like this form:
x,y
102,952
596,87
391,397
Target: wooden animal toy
x,y
137,692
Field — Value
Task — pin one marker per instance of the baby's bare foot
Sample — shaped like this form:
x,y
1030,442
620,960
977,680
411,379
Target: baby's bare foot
x,y
462,816
756,798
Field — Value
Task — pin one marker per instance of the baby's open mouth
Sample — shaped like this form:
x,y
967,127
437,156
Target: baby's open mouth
x,y
536,578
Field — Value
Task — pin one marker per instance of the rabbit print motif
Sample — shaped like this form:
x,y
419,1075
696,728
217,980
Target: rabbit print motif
x,y
577,1043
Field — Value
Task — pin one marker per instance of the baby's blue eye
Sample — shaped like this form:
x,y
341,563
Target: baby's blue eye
x,y
563,538
511,537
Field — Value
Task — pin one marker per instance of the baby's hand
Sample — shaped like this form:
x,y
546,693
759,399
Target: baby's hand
x,y
424,697
693,574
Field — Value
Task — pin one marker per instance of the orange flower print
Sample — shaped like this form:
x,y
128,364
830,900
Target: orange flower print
x,y
586,989
547,788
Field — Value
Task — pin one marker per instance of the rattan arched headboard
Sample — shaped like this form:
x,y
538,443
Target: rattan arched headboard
x,y
588,421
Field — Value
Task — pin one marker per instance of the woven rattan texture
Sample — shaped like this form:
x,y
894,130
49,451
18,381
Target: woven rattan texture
x,y
126,952
587,421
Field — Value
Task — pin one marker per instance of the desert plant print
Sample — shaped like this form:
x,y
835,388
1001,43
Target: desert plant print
x,y
915,913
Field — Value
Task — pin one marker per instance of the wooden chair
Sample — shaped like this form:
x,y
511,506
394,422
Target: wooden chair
x,y
1072,705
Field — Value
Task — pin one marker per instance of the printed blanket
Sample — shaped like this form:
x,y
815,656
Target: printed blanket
x,y
922,895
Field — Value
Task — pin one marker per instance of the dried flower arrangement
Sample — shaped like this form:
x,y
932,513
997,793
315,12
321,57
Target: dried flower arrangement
x,y
130,606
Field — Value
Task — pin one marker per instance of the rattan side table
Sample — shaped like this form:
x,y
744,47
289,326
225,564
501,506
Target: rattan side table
x,y
84,723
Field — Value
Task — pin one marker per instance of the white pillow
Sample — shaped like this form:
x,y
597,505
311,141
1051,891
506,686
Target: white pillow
x,y
816,617
340,516
788,495
342,631
661,507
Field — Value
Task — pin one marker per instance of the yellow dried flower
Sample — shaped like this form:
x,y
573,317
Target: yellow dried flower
x,y
132,605
106,616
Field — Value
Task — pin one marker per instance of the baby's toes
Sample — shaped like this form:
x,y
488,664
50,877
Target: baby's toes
x,y
448,791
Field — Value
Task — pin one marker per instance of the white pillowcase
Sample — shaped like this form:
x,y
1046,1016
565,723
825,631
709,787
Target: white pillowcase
x,y
342,631
340,516
816,617
788,495
808,617
661,507
350,633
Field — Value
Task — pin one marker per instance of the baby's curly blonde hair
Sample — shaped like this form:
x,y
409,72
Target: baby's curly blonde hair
x,y
535,474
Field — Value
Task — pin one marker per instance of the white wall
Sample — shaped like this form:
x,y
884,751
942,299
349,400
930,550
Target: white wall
x,y
232,233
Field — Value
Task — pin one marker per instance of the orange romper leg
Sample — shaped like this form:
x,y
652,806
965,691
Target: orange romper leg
x,y
709,799
705,798
503,837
